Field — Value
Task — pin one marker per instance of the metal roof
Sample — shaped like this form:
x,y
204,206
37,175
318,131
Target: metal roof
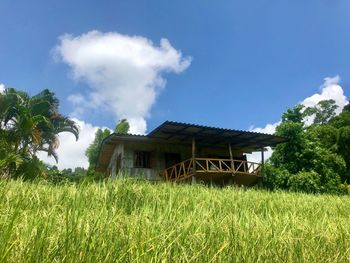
x,y
212,136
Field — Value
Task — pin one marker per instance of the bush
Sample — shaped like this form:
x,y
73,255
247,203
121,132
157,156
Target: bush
x,y
276,178
31,169
64,176
345,188
94,176
308,182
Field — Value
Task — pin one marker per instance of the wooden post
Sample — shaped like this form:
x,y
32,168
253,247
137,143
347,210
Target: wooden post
x,y
231,157
262,162
194,155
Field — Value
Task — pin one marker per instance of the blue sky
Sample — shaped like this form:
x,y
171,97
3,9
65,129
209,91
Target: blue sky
x,y
250,60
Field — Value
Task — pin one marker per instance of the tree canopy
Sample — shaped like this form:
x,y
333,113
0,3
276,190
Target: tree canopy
x,y
93,150
29,125
122,127
317,156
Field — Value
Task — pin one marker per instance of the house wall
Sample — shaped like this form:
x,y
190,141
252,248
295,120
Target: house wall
x,y
112,167
157,150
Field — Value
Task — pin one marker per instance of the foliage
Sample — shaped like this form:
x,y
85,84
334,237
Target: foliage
x,y
94,176
290,154
66,175
136,221
295,114
29,125
344,149
316,155
309,182
32,168
326,135
276,178
9,160
122,127
343,119
93,150
323,111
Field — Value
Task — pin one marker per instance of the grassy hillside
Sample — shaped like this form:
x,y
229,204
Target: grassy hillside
x,y
130,221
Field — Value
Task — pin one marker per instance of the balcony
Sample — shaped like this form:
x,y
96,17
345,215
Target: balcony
x,y
214,170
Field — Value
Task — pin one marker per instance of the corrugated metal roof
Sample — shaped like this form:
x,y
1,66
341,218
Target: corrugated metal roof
x,y
206,135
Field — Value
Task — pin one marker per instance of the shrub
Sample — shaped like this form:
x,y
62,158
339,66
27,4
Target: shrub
x,y
31,169
94,176
308,182
344,188
276,178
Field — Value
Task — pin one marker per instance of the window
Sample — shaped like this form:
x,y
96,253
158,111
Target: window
x,y
142,159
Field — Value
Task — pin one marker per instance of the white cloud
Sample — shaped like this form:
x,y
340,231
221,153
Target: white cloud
x,y
269,129
2,88
71,153
330,89
124,73
77,99
328,81
256,156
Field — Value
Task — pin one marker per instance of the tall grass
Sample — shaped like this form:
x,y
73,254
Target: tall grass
x,y
135,221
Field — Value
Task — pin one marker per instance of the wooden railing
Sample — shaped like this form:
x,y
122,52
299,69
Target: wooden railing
x,y
185,169
179,171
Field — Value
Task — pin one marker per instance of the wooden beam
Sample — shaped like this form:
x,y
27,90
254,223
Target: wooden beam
x,y
231,157
227,138
194,155
230,150
262,162
193,134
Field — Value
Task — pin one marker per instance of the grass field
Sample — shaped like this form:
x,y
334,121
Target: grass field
x,y
135,221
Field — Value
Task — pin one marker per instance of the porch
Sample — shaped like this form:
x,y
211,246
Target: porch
x,y
221,171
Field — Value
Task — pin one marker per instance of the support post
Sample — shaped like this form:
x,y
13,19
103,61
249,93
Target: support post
x,y
231,157
262,162
194,157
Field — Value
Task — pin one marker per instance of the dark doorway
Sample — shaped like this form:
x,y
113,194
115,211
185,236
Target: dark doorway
x,y
172,159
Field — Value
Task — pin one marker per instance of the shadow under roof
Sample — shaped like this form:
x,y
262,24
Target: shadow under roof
x,y
210,136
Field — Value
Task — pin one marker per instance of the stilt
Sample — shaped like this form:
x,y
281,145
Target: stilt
x,y
262,162
231,157
194,167
194,179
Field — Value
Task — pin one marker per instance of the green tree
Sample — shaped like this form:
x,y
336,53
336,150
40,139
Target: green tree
x,y
343,119
32,124
311,157
295,114
122,127
323,111
344,149
93,150
289,155
326,134
342,124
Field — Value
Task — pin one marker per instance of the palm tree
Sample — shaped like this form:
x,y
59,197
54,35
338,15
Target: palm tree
x,y
46,104
32,124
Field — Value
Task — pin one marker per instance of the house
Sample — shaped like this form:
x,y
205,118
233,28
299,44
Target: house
x,y
183,152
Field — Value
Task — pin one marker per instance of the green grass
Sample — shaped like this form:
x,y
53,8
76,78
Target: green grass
x,y
133,221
